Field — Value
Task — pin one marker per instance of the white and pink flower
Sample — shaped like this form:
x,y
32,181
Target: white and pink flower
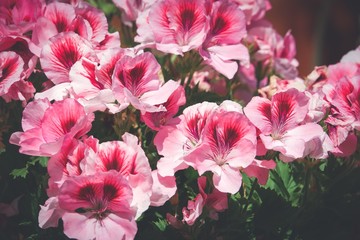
x,y
177,141
280,121
104,199
228,144
46,126
129,159
223,41
174,26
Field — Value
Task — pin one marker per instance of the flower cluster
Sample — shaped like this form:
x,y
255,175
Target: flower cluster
x,y
99,187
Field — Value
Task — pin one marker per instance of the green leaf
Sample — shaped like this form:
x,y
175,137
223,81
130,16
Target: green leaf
x,y
43,161
27,223
21,172
161,224
283,183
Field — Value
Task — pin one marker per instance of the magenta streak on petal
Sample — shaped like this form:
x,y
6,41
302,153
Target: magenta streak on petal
x,y
194,127
187,18
118,159
220,25
8,68
283,111
136,78
90,74
87,193
110,192
67,52
60,23
224,136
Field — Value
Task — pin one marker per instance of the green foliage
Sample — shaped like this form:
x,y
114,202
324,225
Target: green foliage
x,y
282,181
23,172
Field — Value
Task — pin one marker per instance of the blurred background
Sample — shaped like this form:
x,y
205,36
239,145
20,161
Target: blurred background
x,y
324,30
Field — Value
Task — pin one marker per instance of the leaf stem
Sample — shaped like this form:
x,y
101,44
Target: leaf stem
x,y
252,189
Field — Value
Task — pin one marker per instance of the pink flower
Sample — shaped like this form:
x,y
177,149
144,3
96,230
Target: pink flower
x,y
228,143
344,99
175,26
214,202
249,83
68,162
104,199
61,53
11,68
176,98
253,9
175,142
193,209
134,77
20,45
57,18
82,19
97,21
132,8
18,17
21,89
47,125
208,80
280,123
127,158
272,50
223,41
50,213
108,59
277,84
340,70
92,92
260,169
163,189
90,83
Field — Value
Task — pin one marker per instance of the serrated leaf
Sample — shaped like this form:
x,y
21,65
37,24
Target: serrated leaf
x,y
283,183
21,172
43,161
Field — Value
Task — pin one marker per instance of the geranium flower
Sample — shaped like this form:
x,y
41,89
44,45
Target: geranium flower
x,y
97,21
253,9
61,53
132,8
11,68
18,17
214,202
280,121
163,188
68,162
47,125
223,41
344,99
104,202
57,18
134,77
176,98
174,26
81,18
228,144
260,169
92,92
175,142
127,158
272,50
